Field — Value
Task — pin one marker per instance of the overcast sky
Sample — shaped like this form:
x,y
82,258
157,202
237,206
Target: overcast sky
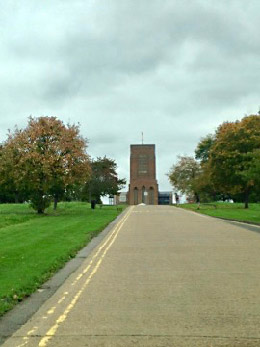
x,y
172,69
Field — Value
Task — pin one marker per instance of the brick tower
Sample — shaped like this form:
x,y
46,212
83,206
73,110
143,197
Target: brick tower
x,y
143,187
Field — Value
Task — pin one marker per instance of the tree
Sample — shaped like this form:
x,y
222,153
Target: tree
x,y
233,156
253,173
204,182
182,175
202,151
12,188
46,159
254,170
104,180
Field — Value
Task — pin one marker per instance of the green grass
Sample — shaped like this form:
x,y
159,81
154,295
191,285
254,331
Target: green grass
x,y
235,211
33,247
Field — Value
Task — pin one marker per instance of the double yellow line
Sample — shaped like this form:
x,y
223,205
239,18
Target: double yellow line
x,y
103,250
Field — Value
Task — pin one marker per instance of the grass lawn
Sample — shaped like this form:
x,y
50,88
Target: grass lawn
x,y
33,247
235,211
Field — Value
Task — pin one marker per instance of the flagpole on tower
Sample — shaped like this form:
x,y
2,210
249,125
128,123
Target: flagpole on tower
x,y
142,138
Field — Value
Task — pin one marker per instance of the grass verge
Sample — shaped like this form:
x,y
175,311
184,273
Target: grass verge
x,y
235,211
34,247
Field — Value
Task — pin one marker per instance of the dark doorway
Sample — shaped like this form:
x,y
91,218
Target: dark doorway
x,y
136,196
143,195
151,196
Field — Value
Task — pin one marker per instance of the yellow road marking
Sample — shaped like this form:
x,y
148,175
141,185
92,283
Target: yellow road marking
x,y
100,249
52,331
52,310
26,338
62,299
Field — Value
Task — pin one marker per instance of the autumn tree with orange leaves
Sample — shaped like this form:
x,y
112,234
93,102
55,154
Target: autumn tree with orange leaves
x,y
45,159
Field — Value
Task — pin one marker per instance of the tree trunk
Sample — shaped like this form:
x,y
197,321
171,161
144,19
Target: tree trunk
x,y
246,198
55,202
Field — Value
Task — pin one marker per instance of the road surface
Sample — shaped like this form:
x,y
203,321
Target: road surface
x,y
162,277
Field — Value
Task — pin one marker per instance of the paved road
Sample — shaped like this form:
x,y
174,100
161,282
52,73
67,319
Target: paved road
x,y
162,277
